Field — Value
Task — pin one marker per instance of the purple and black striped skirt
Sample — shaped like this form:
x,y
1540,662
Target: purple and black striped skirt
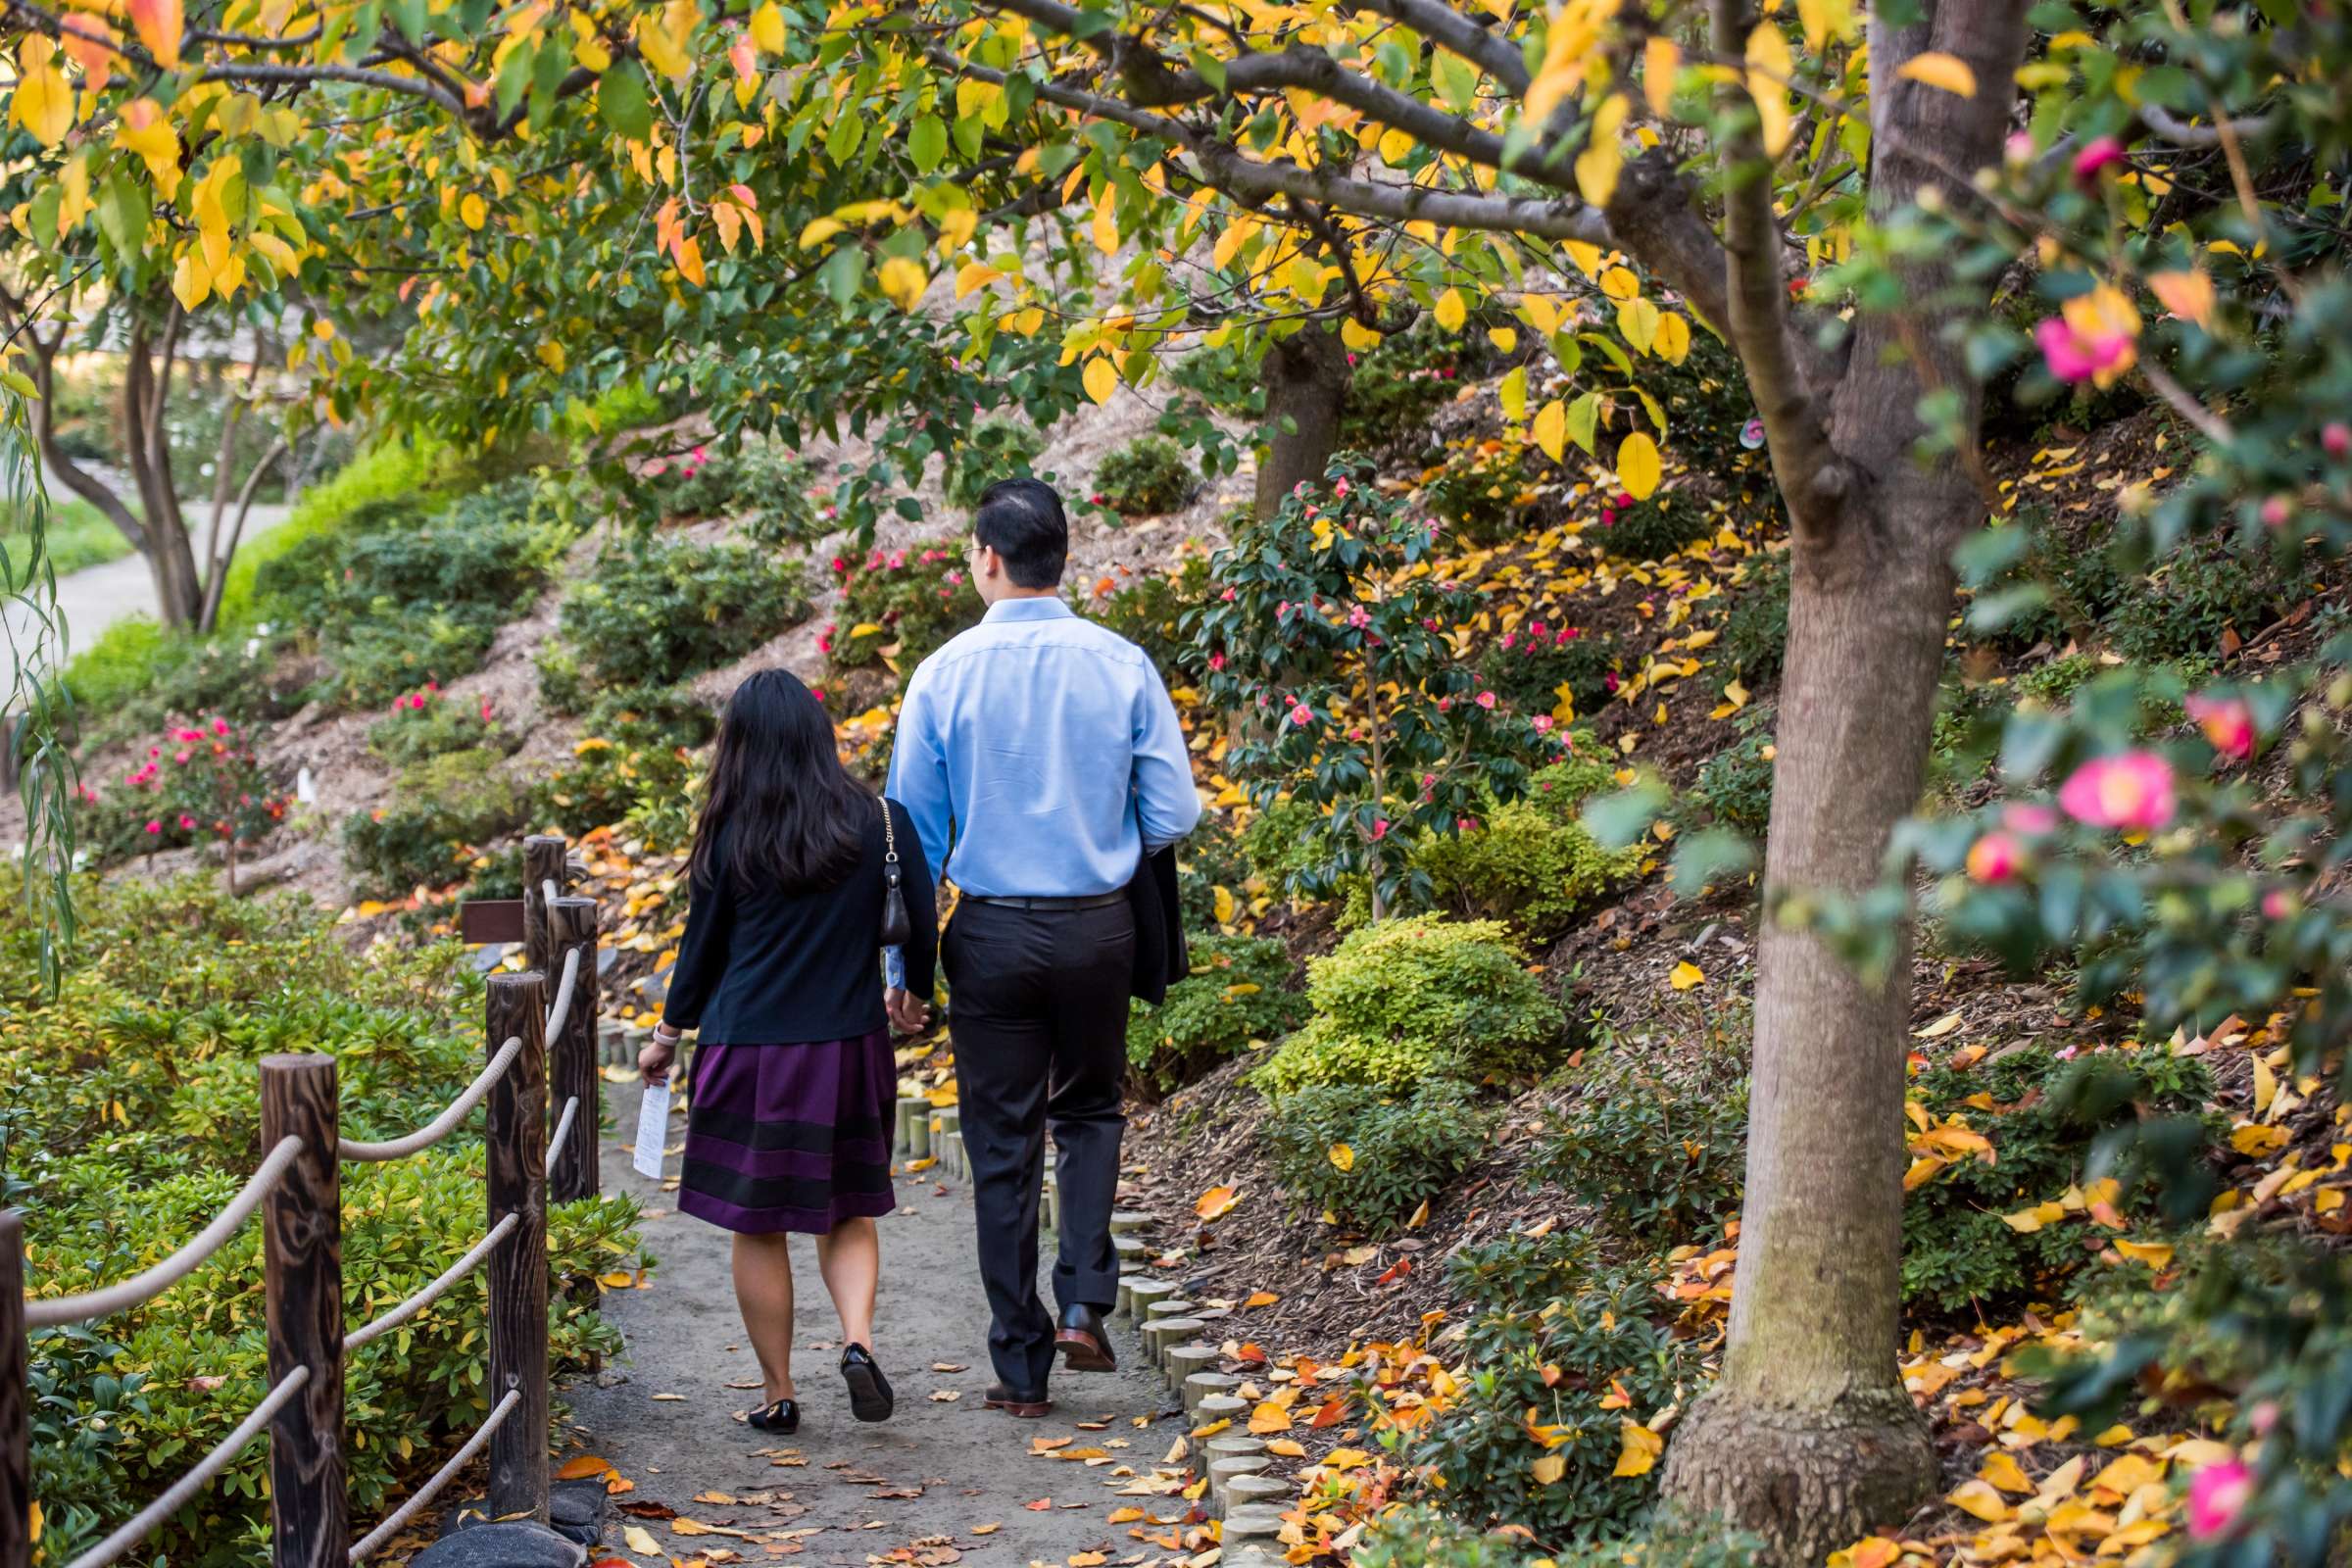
x,y
790,1137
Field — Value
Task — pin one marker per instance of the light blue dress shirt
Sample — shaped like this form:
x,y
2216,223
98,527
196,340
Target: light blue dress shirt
x,y
1040,757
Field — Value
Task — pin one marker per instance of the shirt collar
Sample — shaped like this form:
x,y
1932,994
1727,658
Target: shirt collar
x,y
1005,609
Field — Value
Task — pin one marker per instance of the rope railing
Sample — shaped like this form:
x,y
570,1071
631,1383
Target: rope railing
x,y
434,1292
557,1139
49,1312
206,1470
538,1054
561,1009
441,1126
441,1478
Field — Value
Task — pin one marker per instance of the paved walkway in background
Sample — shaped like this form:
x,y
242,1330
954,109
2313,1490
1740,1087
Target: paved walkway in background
x,y
96,597
926,1483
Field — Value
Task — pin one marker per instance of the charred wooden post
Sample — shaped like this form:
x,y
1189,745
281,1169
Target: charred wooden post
x,y
16,1419
514,1142
542,863
571,1066
302,1253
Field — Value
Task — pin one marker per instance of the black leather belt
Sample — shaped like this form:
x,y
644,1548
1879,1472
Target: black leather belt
x,y
1092,901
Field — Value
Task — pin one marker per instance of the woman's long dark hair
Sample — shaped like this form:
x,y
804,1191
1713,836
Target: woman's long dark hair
x,y
788,814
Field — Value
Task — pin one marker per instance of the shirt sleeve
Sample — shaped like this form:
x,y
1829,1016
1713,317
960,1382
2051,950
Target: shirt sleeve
x,y
918,775
702,952
1166,804
916,959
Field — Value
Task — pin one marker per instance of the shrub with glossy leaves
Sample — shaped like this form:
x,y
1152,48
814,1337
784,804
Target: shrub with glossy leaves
x,y
1661,1158
1330,634
1148,477
1548,1387
436,812
1239,991
897,606
1648,530
657,610
1552,669
1368,1157
1416,998
1531,862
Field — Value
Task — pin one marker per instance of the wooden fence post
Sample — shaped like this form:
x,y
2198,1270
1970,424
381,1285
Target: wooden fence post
x,y
571,1065
16,1419
542,860
301,1251
515,1144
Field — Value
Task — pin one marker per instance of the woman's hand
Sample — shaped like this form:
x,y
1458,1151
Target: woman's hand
x,y
909,1013
654,1058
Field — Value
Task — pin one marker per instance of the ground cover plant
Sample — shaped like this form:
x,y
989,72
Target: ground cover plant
x,y
659,608
1239,992
132,1115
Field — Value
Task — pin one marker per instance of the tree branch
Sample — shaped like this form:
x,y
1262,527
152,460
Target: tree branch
x,y
1456,33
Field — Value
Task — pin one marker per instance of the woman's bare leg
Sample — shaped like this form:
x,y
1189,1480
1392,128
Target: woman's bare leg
x,y
763,1289
849,1257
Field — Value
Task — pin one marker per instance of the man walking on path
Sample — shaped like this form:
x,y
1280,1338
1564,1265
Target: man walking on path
x,y
1041,760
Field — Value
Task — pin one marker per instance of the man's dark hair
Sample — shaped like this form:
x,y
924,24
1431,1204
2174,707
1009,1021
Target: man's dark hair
x,y
1022,520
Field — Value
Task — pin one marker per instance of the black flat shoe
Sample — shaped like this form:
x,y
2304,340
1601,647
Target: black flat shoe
x,y
1028,1406
782,1416
1083,1342
870,1399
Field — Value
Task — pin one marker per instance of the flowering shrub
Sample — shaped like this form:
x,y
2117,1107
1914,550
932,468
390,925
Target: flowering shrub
x,y
1550,667
1648,530
1340,654
1145,478
1482,491
427,722
199,783
1399,383
898,606
768,490
437,812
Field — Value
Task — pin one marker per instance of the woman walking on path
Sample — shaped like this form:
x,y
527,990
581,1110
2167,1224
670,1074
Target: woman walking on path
x,y
798,876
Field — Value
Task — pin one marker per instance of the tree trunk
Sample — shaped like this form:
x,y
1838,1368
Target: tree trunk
x,y
171,554
1306,376
1809,1437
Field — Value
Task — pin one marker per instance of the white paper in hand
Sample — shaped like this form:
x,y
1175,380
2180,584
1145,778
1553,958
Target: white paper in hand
x,y
653,1129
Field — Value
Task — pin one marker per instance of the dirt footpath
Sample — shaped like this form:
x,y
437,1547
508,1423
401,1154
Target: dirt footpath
x,y
945,1480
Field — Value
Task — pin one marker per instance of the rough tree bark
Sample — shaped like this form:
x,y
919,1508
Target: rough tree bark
x,y
1809,1436
1305,376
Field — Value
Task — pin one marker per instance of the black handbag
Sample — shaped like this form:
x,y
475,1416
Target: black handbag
x,y
895,926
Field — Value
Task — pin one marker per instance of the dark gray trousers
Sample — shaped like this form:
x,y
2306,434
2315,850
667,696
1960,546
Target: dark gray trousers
x,y
1037,1011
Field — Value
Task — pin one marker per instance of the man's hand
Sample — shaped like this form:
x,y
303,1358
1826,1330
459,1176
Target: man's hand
x,y
909,1013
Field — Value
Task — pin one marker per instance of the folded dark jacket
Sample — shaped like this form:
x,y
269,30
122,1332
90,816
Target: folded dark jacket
x,y
1160,959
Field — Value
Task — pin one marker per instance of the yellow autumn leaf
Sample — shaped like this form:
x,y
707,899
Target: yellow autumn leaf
x,y
641,1542
2255,1141
1936,68
819,230
1287,1448
159,24
1357,336
1660,59
1770,67
2187,295
1550,429
1979,1499
1604,158
1101,378
767,28
1452,311
1341,1157
2156,1255
2002,1470
1638,467
1824,20
43,102
1640,1449
1548,1469
1217,1200
472,211
1686,975
1269,1417
904,281
1674,338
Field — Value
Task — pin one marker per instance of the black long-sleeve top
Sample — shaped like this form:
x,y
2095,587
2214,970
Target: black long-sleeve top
x,y
761,966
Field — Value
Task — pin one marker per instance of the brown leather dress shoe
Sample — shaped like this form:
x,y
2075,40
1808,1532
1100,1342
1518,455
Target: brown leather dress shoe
x,y
1027,1406
1083,1342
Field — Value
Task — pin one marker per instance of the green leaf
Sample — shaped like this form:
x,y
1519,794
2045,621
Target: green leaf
x,y
1211,69
620,97
927,142
1583,418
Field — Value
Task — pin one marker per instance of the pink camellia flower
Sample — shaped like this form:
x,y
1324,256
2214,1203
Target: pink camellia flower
x,y
2029,818
155,827
2092,337
1216,661
219,726
898,559
2336,439
1995,858
2216,1495
2101,154
2131,791
955,575
2278,511
1485,699
655,468
1509,638
1542,723
2018,148
181,756
2279,903
2228,723
1225,597
1359,616
1379,829
186,736
840,566
1303,715
1609,679
1340,487
186,821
